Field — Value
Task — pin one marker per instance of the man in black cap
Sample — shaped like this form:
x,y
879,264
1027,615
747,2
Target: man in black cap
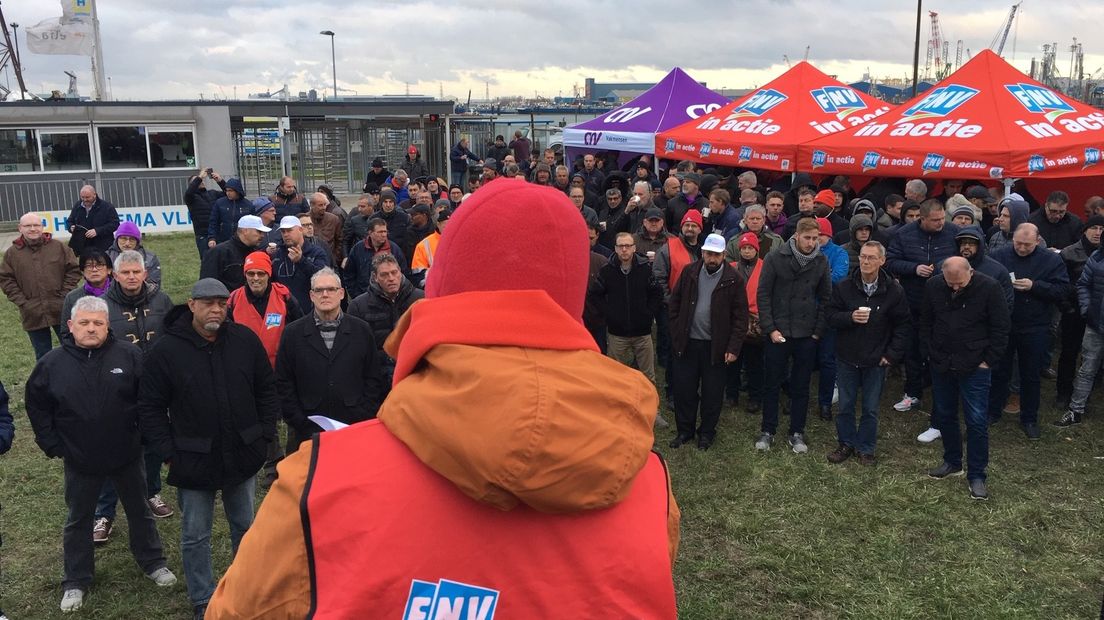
x,y
689,198
421,225
207,404
979,196
377,175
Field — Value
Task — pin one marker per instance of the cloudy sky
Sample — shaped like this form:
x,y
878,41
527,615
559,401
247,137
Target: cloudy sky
x,y
155,49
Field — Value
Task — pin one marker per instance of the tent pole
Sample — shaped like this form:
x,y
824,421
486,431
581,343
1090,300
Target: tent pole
x,y
1007,186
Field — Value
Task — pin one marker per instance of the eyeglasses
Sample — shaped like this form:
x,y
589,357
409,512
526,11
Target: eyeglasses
x,y
94,267
622,246
326,290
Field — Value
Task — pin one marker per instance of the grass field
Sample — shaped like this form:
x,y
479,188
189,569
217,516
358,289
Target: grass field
x,y
772,535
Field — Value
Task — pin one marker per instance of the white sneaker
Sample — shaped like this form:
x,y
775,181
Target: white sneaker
x,y
163,577
764,441
929,435
907,403
72,600
797,442
835,395
660,421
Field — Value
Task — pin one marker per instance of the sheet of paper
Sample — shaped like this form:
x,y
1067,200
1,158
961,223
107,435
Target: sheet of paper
x,y
325,423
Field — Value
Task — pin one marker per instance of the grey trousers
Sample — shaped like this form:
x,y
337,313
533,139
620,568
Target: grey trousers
x,y
1092,355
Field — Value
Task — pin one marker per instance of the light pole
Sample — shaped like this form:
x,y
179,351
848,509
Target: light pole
x,y
333,57
916,48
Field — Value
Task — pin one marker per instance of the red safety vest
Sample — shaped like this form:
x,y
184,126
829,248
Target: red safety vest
x,y
271,326
397,540
752,286
680,258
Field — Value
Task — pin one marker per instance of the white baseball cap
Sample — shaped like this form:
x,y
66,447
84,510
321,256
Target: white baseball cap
x,y
253,222
714,243
289,221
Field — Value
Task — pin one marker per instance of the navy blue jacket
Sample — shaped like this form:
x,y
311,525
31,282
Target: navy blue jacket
x,y
912,246
1032,309
358,269
1090,291
225,213
727,223
102,216
296,276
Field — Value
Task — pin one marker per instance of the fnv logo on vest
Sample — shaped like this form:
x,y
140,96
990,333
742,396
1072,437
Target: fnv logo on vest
x,y
273,320
1039,100
838,100
1036,163
870,160
933,162
820,158
758,104
1092,157
449,600
939,102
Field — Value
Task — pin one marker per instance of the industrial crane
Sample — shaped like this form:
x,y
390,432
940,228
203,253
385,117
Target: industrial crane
x,y
997,45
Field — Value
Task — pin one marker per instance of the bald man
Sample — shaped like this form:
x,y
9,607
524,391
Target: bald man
x,y
91,222
35,274
964,326
327,226
1039,281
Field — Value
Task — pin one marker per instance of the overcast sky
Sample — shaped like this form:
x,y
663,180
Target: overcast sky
x,y
154,49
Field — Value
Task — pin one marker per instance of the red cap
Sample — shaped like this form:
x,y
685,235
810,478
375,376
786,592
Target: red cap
x,y
482,251
825,226
258,260
693,215
826,196
413,150
748,239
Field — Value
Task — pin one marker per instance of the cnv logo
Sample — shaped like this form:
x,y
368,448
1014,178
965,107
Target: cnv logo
x,y
449,600
838,100
1040,100
758,103
939,102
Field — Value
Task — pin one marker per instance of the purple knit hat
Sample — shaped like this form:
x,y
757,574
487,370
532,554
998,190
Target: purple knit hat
x,y
128,229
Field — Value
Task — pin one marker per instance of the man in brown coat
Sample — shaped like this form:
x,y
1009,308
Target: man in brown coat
x,y
327,226
36,273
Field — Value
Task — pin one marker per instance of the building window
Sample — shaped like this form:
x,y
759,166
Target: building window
x,y
18,151
123,147
171,149
65,151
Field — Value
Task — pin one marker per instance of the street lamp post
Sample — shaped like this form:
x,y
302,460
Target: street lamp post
x,y
333,57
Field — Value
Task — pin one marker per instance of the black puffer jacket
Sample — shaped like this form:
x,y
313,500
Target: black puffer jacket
x,y
382,314
885,335
225,262
958,333
221,402
630,302
82,404
139,319
792,298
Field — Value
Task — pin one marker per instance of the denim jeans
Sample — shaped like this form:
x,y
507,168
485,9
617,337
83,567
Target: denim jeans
x,y
853,380
42,341
81,490
105,507
802,352
198,509
1027,349
1092,355
973,391
826,360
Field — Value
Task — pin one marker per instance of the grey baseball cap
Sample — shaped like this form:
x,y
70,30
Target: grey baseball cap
x,y
209,288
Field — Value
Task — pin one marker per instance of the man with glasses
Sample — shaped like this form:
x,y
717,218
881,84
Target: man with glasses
x,y
326,364
578,197
1056,224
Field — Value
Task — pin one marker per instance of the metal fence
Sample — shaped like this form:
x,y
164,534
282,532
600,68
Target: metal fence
x,y
19,197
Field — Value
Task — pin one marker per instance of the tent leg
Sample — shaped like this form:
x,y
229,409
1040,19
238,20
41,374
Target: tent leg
x,y
1007,186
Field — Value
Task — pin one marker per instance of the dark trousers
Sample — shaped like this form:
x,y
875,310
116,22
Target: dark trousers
x,y
854,381
599,335
81,491
973,391
105,506
42,340
663,337
1028,348
751,360
201,245
1072,331
916,367
802,353
826,361
693,370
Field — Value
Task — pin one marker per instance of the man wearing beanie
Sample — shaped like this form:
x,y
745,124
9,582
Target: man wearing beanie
x,y
826,205
1072,325
748,264
679,251
526,507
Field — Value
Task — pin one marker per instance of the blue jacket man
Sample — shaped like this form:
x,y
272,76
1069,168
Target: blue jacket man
x,y
296,260
1041,281
225,213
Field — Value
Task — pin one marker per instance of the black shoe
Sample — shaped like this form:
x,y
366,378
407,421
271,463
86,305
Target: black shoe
x,y
754,407
840,454
1031,430
704,443
826,413
679,440
199,612
944,470
1070,419
978,489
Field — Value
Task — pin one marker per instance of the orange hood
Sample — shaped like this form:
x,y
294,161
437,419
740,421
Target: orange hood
x,y
507,396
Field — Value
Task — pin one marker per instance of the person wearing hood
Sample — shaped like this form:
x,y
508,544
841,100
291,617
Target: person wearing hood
x,y
288,200
688,199
224,261
390,294
1072,326
1041,282
1012,212
542,513
91,222
861,230
1055,223
36,274
541,174
862,206
801,181
750,266
98,440
377,175
413,164
199,201
226,212
870,316
794,288
129,237
724,219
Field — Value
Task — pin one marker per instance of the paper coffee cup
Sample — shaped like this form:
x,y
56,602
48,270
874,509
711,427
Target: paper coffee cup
x,y
650,254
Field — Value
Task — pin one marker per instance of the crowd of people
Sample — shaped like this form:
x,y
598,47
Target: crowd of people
x,y
741,287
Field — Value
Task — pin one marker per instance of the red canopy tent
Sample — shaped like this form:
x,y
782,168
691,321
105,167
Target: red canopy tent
x,y
985,121
762,130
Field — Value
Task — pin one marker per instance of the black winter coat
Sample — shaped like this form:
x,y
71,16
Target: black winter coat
x,y
398,226
199,201
1061,235
679,205
225,262
1090,291
886,334
728,311
343,384
1032,310
792,298
140,319
7,427
629,302
221,402
381,313
959,332
82,404
102,216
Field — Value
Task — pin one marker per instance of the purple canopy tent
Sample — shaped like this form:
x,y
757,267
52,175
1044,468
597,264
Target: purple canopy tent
x,y
631,128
